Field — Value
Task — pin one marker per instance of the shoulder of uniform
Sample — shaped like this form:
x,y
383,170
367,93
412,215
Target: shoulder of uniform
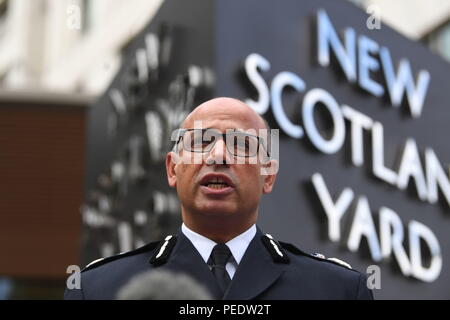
x,y
316,256
146,248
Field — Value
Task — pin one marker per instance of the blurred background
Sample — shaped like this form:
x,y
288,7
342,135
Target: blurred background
x,y
57,57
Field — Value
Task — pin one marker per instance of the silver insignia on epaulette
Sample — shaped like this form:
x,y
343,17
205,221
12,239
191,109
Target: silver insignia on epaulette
x,y
95,261
339,261
318,255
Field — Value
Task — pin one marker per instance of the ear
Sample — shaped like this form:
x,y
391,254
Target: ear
x,y
171,162
269,172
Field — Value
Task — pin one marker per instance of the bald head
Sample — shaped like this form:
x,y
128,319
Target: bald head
x,y
224,108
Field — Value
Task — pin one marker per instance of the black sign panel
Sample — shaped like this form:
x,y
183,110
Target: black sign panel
x,y
166,71
363,126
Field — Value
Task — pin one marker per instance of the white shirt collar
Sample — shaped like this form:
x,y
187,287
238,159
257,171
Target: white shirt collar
x,y
204,246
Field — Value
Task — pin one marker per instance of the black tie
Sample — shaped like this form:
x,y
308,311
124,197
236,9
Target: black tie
x,y
219,258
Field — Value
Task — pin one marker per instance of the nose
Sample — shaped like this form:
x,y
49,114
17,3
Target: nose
x,y
218,154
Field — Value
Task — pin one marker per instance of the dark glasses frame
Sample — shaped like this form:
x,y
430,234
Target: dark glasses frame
x,y
216,133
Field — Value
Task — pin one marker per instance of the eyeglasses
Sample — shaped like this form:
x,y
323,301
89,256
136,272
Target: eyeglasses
x,y
238,143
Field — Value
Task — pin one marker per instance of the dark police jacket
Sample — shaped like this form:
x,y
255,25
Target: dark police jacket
x,y
268,270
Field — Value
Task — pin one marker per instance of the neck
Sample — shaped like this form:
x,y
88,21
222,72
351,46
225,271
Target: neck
x,y
217,229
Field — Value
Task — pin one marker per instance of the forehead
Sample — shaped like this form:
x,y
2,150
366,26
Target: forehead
x,y
224,114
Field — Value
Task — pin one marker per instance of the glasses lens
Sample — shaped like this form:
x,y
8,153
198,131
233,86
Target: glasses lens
x,y
242,145
198,140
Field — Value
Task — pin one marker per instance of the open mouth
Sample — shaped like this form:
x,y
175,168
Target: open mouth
x,y
216,183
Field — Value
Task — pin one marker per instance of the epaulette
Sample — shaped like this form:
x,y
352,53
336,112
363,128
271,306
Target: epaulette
x,y
163,251
102,261
316,256
275,249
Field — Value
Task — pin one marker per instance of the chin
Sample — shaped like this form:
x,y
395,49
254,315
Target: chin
x,y
218,210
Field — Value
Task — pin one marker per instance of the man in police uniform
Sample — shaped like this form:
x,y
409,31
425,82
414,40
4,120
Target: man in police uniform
x,y
219,244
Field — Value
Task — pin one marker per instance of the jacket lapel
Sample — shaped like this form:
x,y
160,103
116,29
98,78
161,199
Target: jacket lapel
x,y
256,272
186,259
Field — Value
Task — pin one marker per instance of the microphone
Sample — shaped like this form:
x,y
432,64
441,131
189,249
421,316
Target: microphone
x,y
163,285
